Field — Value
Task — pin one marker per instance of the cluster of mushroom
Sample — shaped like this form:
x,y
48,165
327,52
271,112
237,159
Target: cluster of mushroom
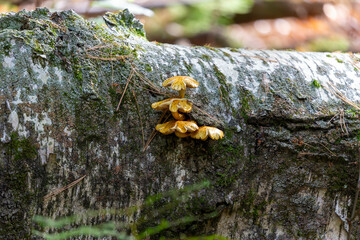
x,y
179,107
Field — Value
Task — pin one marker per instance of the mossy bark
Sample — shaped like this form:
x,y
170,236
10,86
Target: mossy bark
x,y
286,168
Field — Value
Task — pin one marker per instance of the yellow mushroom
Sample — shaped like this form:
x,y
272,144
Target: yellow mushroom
x,y
174,105
166,128
178,116
182,135
186,126
181,105
180,83
178,126
205,131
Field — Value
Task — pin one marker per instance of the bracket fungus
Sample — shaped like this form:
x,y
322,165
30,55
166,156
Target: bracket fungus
x,y
177,107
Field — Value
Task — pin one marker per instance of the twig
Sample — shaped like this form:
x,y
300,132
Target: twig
x,y
138,109
332,118
154,91
97,47
152,135
340,95
221,97
332,153
146,81
354,61
342,122
127,83
107,58
154,132
202,111
59,190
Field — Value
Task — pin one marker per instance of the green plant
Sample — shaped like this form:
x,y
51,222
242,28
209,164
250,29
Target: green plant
x,y
316,84
199,17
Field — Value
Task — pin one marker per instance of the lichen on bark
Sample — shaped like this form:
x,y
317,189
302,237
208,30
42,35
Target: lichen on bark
x,y
284,169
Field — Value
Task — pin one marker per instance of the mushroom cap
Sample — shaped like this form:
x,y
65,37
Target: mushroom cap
x,y
182,135
180,83
180,105
166,128
178,126
173,104
186,126
205,131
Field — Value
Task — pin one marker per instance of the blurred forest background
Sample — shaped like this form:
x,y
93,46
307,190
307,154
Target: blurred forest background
x,y
302,25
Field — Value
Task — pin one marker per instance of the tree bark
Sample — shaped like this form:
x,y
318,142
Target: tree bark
x,y
286,168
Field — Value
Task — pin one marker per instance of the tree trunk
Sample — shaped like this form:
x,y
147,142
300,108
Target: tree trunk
x,y
285,169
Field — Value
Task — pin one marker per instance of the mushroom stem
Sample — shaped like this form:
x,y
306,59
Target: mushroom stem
x,y
178,116
182,93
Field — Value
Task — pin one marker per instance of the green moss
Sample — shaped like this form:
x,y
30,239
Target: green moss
x,y
245,101
229,56
148,68
342,178
227,155
225,96
77,69
206,57
221,77
223,88
20,155
211,48
339,60
358,135
188,66
20,148
315,83
125,19
6,47
114,96
249,207
225,180
354,113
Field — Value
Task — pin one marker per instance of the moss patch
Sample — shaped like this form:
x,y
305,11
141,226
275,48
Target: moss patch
x,y
127,20
20,157
224,88
252,207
